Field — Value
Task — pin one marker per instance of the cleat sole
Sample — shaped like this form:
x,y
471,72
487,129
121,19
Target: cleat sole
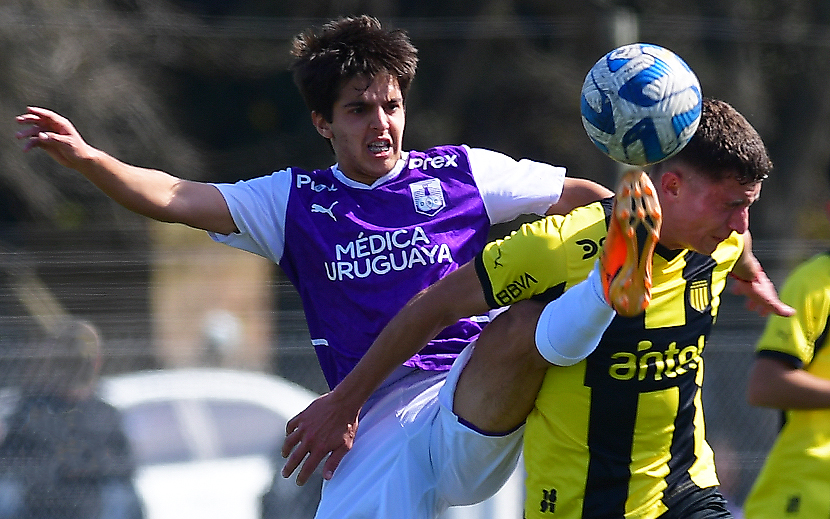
x,y
633,234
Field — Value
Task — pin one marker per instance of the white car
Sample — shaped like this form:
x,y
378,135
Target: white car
x,y
204,440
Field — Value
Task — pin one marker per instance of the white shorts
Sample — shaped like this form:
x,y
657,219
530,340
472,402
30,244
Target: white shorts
x,y
412,458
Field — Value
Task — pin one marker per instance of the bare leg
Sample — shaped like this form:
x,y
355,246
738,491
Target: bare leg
x,y
497,389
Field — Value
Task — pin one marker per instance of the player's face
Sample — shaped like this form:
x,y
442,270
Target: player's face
x,y
366,127
701,213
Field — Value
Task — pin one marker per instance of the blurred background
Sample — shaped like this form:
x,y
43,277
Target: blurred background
x,y
200,88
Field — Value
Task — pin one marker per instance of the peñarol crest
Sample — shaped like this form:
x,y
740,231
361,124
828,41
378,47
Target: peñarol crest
x,y
699,295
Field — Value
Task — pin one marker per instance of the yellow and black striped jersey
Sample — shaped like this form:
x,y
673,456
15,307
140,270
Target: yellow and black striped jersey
x,y
621,433
795,479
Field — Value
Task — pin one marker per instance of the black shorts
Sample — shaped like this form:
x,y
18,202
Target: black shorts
x,y
704,503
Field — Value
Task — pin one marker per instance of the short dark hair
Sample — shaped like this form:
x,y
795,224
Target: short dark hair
x,y
347,48
724,145
68,358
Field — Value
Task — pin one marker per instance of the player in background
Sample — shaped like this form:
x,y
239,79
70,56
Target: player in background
x,y
64,452
791,372
620,433
358,240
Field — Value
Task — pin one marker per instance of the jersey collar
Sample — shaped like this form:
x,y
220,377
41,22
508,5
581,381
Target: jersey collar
x,y
393,173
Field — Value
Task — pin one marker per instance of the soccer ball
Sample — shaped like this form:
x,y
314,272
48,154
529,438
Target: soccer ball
x,y
640,104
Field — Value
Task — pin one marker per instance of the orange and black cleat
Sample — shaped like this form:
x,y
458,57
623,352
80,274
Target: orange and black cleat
x,y
625,264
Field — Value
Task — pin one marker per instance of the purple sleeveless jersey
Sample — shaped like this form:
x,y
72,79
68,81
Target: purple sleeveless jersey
x,y
356,256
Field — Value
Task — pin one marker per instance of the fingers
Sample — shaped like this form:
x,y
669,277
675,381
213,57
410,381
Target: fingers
x,y
783,309
37,139
40,123
333,462
36,116
762,299
322,430
305,457
43,120
292,437
310,464
298,453
294,460
294,453
28,132
60,147
33,132
35,113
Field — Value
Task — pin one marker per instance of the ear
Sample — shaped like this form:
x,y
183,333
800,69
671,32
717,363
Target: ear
x,y
323,127
670,184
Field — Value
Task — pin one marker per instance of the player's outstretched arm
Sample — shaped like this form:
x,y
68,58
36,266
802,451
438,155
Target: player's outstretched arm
x,y
776,384
148,192
752,282
577,192
327,427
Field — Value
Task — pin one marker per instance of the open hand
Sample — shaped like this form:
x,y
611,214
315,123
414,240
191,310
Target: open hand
x,y
761,296
325,428
54,134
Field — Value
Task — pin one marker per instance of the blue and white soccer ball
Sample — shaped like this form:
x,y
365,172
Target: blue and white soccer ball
x,y
641,104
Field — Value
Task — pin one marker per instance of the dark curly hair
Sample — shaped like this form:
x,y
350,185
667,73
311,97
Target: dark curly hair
x,y
347,48
724,145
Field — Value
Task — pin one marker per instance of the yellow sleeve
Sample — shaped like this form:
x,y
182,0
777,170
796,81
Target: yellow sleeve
x,y
542,258
808,291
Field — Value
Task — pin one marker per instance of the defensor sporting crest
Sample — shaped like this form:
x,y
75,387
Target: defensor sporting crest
x,y
640,104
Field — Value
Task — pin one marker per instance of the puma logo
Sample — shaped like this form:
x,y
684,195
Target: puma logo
x,y
317,208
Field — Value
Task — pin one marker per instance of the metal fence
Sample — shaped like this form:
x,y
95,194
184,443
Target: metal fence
x,y
115,284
